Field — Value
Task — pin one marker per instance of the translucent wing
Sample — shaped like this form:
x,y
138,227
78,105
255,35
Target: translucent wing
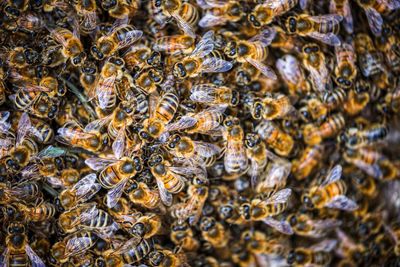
x,y
187,171
104,91
77,245
165,196
98,124
51,152
88,212
36,261
288,67
206,149
115,193
303,4
235,156
129,245
334,175
186,27
89,21
266,70
167,46
327,38
343,203
98,164
393,4
87,180
118,145
183,123
130,38
209,20
371,169
24,125
211,3
375,20
266,36
329,18
326,245
348,18
282,196
4,125
204,46
326,224
203,93
214,64
281,226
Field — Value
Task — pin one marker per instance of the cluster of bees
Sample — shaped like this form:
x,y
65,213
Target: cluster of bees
x,y
199,133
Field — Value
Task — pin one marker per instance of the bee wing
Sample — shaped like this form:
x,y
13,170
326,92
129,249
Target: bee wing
x,y
87,214
98,164
186,27
36,261
183,123
203,93
276,176
211,3
24,126
87,180
343,203
166,197
266,36
77,245
266,70
334,175
209,20
329,18
4,258
327,38
67,133
55,182
130,38
206,149
89,21
118,145
282,196
51,152
303,4
326,224
96,125
128,245
373,170
254,172
289,68
375,20
348,18
235,156
4,125
393,4
204,46
325,245
182,172
281,226
115,193
214,64
104,91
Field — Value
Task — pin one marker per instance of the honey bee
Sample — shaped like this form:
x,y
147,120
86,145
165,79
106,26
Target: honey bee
x,y
264,14
185,14
235,159
21,57
356,101
279,141
203,59
72,47
146,226
292,74
366,160
316,255
355,138
26,192
272,107
345,70
329,193
334,99
263,208
148,80
308,161
257,153
253,51
131,251
120,36
207,121
17,249
211,94
365,184
182,235
166,258
175,44
258,242
86,11
303,225
314,63
370,60
219,13
42,212
369,225
82,191
120,9
214,232
348,249
88,76
140,194
314,135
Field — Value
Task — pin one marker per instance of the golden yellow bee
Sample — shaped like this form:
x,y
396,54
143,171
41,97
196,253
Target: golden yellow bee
x,y
316,255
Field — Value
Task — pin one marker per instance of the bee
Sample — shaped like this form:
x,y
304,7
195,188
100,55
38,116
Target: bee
x,y
148,80
345,70
329,193
185,14
279,141
314,135
356,101
348,249
88,76
374,11
140,194
275,174
203,59
218,13
207,121
192,208
175,44
26,192
17,251
365,184
292,74
394,232
120,9
369,225
253,51
366,160
387,44
166,258
303,225
256,151
257,242
146,226
120,36
72,47
42,212
211,94
370,60
235,159
342,8
334,99
272,107
131,251
314,63
316,255
86,13
213,231
264,14
182,235
355,138
21,57
82,191
264,207
308,161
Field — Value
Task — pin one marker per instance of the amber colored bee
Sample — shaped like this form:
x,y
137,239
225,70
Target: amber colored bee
x,y
88,75
314,62
308,161
42,212
330,193
387,43
365,184
211,94
304,225
120,9
318,254
131,251
86,11
26,192
21,57
279,141
272,107
175,44
214,232
146,226
356,101
182,235
218,13
258,242
334,99
315,134
264,14
370,60
257,153
140,194
148,80
355,138
345,70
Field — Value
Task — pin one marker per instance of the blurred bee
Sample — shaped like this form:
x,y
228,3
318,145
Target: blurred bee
x,y
304,225
345,70
329,193
281,142
17,250
394,232
42,212
323,28
214,232
131,251
308,161
148,80
203,59
146,226
210,94
316,255
392,100
120,36
356,101
314,135
72,47
257,243
272,107
120,9
387,43
185,14
262,208
14,8
253,51
241,256
256,151
230,212
370,61
342,8
366,160
264,14
355,138
82,191
167,258
374,11
182,235
275,174
86,11
364,184
349,250
20,57
219,13
140,194
292,74
314,63
334,99
285,42
88,76
175,44
369,225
